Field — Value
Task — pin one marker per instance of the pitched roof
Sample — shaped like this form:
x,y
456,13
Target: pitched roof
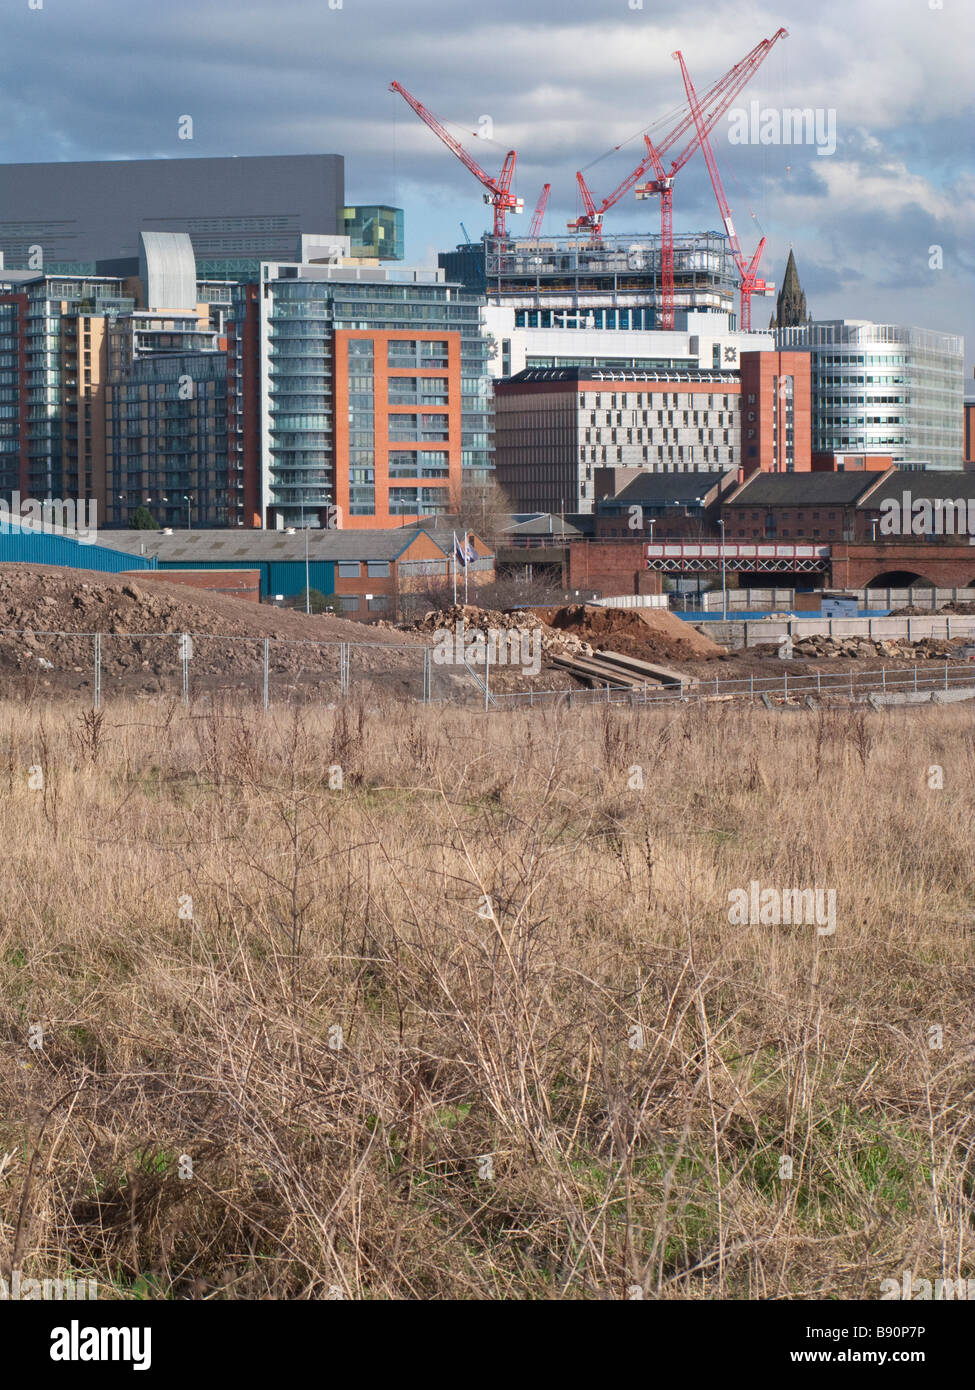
x,y
246,545
669,487
802,489
931,484
548,523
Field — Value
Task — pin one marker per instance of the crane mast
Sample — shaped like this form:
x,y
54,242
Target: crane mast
x,y
716,102
750,283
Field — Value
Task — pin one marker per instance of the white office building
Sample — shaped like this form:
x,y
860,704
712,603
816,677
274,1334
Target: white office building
x,y
881,388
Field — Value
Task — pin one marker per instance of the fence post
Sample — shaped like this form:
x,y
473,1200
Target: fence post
x,y
343,668
427,676
883,677
97,701
915,675
267,664
819,682
487,674
946,673
185,651
785,686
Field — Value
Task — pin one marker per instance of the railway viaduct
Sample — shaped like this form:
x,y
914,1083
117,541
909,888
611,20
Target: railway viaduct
x,y
858,565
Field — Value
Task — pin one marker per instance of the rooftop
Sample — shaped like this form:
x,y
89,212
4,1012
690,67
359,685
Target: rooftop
x,y
931,484
246,545
802,489
602,374
670,487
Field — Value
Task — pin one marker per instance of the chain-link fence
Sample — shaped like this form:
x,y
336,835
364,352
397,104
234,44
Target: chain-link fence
x,y
98,667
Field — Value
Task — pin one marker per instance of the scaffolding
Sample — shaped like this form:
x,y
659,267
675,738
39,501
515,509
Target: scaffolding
x,y
618,271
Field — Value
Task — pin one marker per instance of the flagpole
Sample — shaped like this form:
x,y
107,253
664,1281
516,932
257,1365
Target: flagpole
x,y
467,564
454,554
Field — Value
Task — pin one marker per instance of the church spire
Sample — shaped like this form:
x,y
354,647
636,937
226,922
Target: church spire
x,y
791,304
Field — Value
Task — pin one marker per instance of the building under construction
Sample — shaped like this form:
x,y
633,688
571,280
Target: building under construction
x,y
615,282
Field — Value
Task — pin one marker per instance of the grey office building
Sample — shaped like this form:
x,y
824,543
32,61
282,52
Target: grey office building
x,y
238,211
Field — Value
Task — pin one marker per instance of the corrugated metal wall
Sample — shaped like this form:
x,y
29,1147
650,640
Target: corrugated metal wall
x,y
285,577
43,548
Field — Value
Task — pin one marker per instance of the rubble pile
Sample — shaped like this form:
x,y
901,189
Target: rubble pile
x,y
927,649
521,621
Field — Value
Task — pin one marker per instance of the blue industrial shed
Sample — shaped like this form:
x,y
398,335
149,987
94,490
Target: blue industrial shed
x,y
27,545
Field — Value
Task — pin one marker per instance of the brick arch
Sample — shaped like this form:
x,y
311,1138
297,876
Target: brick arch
x,y
898,579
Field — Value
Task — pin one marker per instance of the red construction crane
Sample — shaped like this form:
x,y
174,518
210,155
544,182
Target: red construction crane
x,y
710,110
592,218
499,195
535,230
750,282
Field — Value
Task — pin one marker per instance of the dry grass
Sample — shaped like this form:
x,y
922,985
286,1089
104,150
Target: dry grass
x,y
361,1169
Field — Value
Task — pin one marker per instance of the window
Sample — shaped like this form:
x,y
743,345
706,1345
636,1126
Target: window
x,y
348,569
378,569
378,605
349,603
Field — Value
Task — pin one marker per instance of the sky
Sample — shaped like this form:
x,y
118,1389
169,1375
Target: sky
x,y
882,221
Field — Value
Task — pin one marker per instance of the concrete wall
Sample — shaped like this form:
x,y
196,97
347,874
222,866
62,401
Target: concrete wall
x,y
751,633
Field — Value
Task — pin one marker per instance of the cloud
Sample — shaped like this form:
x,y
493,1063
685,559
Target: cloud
x,y
564,81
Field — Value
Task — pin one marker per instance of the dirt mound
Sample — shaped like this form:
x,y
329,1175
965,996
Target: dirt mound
x,y
43,607
650,633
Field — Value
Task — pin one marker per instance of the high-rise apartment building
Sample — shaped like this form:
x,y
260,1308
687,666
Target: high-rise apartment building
x,y
52,376
364,389
101,401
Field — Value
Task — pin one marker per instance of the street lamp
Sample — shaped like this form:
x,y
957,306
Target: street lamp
x,y
873,523
307,574
724,587
188,500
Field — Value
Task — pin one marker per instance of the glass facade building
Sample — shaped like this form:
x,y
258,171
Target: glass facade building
x,y
51,367
341,353
375,231
884,389
166,437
